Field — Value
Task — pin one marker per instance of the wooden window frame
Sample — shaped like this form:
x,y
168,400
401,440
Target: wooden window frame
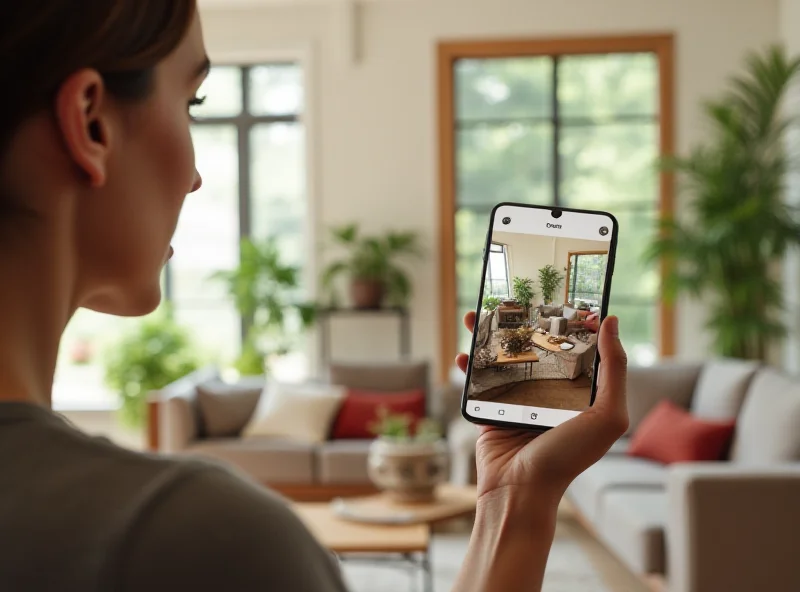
x,y
569,267
448,52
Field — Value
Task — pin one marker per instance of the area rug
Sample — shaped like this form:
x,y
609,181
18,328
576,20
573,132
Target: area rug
x,y
568,569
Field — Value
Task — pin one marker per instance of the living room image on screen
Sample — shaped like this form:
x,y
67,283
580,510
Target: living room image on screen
x,y
537,330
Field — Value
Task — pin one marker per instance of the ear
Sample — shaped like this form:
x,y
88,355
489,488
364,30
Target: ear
x,y
82,112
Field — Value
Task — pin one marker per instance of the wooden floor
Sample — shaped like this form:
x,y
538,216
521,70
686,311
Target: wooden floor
x,y
553,394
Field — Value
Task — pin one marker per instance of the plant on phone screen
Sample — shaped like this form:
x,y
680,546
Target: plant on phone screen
x,y
738,228
490,303
549,281
523,291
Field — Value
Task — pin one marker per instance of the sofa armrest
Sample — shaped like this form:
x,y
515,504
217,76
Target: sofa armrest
x,y
179,419
649,385
733,528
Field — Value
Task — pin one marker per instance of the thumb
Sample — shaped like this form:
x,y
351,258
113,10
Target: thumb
x,y
613,369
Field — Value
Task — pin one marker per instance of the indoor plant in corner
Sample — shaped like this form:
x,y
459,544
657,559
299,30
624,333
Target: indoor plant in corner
x,y
523,291
371,265
549,280
155,354
266,293
407,461
738,227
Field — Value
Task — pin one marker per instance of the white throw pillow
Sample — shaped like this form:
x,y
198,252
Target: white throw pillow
x,y
300,412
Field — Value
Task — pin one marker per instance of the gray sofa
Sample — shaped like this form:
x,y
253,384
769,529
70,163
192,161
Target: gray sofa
x,y
202,416
706,526
731,526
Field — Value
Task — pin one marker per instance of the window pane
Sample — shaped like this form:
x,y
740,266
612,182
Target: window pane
x,y
276,89
504,162
637,323
610,85
587,278
505,88
631,276
279,187
223,93
207,238
215,328
608,165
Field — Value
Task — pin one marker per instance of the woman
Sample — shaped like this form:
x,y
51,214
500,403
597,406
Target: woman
x,y
95,161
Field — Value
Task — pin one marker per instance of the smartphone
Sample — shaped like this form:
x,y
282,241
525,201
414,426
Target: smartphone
x,y
546,283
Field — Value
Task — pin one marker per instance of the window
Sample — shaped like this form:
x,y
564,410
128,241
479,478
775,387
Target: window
x,y
573,124
249,141
586,277
497,272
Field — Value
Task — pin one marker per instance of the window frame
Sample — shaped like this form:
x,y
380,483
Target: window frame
x,y
504,251
448,54
577,254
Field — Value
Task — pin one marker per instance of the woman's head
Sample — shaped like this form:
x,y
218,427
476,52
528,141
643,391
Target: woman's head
x,y
96,156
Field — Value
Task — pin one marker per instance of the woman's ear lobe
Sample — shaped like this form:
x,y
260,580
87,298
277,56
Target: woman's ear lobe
x,y
81,112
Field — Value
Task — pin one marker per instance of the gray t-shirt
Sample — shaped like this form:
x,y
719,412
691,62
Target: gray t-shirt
x,y
79,513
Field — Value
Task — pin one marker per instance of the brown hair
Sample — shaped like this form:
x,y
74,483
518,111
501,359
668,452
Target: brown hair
x,y
42,42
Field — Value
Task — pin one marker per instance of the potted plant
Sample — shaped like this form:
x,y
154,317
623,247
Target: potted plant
x,y
371,264
516,341
155,354
523,291
266,294
549,280
407,461
738,226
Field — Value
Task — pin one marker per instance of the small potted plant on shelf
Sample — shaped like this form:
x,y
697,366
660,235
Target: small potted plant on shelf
x,y
371,264
407,459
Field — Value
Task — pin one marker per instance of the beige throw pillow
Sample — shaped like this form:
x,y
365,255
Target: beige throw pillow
x,y
299,412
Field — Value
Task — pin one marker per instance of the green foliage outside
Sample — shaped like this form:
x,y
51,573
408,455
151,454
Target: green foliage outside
x,y
155,354
266,293
737,227
374,257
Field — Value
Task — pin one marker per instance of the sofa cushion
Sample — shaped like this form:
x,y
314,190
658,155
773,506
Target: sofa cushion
x,y
226,408
398,376
609,474
649,385
359,411
768,429
670,434
266,460
343,461
721,388
300,412
632,524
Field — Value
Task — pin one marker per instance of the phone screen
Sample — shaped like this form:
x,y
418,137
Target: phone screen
x,y
546,280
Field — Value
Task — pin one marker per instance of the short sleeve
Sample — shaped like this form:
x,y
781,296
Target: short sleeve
x,y
214,531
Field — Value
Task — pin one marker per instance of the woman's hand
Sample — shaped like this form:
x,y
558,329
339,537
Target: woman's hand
x,y
524,464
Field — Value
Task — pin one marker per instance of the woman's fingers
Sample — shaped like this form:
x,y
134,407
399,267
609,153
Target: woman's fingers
x,y
469,321
612,377
462,360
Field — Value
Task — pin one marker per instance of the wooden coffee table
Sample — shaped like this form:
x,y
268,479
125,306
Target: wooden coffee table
x,y
527,358
378,529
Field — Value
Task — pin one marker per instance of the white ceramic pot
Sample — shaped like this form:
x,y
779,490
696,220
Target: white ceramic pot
x,y
408,471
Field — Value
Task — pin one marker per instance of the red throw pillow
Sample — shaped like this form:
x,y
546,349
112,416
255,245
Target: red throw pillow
x,y
670,434
360,408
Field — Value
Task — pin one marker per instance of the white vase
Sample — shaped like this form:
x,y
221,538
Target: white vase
x,y
408,471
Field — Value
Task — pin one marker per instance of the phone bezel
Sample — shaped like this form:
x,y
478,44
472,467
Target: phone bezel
x,y
612,253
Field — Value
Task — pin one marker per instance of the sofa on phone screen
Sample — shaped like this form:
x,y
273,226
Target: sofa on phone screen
x,y
731,525
201,415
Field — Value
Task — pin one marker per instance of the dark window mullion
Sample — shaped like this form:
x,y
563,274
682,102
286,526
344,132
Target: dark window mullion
x,y
243,127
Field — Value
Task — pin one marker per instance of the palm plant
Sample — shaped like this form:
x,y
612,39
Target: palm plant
x,y
264,290
371,265
738,227
549,280
523,292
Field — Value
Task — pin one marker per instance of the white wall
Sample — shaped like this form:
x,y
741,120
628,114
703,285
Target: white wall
x,y
376,155
790,32
528,253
